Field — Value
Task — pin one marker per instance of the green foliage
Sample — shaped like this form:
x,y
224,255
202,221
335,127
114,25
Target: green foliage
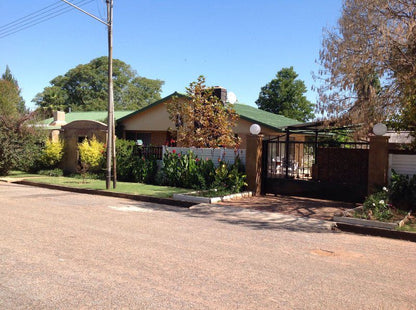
x,y
133,168
91,153
52,153
85,88
11,102
402,191
19,143
188,171
202,119
376,206
285,95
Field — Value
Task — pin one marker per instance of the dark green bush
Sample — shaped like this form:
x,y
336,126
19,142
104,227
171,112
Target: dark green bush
x,y
188,171
402,191
134,168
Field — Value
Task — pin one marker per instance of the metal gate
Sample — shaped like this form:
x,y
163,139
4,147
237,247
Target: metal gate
x,y
327,170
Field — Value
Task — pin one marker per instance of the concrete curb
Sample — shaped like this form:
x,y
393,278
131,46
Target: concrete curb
x,y
165,201
380,232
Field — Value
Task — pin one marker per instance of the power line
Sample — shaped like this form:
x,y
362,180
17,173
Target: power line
x,y
37,17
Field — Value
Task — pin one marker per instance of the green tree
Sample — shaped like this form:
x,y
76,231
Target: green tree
x,y
10,92
19,147
19,142
202,119
368,71
285,95
85,88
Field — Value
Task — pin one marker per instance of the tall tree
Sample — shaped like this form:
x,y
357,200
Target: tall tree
x,y
84,88
285,95
12,89
368,61
18,138
201,119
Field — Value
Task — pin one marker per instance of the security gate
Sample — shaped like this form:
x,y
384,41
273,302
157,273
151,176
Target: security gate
x,y
327,170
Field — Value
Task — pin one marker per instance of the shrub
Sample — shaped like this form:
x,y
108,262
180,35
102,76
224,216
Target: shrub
x,y
377,206
188,171
402,191
124,157
91,153
52,153
132,167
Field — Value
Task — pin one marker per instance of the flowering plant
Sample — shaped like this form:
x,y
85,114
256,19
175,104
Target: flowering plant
x,y
377,206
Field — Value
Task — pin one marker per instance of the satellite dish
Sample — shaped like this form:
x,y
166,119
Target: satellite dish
x,y
231,97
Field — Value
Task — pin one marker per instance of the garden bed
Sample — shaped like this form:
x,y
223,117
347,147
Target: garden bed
x,y
357,216
209,196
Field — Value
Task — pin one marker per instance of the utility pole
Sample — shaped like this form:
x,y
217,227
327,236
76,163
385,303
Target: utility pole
x,y
111,150
111,140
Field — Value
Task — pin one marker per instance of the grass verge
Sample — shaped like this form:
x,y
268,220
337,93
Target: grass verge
x,y
122,187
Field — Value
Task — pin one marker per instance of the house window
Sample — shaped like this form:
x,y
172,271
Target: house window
x,y
144,136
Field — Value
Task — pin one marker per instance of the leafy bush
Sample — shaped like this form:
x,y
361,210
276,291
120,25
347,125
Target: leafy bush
x,y
19,144
124,157
188,171
402,191
133,168
91,153
52,153
376,206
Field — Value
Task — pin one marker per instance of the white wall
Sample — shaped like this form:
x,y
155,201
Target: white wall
x,y
226,155
402,164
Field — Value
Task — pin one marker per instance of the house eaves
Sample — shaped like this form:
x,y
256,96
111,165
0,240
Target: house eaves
x,y
173,95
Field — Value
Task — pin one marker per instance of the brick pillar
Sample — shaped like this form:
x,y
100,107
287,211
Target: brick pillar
x,y
253,163
378,163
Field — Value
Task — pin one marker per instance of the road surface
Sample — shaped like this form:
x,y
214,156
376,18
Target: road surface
x,y
62,250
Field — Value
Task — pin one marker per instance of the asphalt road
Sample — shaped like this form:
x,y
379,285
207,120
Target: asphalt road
x,y
61,250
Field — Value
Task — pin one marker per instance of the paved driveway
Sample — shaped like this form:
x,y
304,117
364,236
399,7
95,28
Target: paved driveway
x,y
61,250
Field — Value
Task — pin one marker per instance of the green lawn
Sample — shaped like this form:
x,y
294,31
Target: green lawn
x,y
122,187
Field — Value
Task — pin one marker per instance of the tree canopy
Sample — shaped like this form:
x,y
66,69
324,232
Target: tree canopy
x,y
202,119
285,95
368,61
10,99
85,88
18,140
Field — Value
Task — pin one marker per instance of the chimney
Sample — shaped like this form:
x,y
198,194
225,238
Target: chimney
x,y
58,118
221,93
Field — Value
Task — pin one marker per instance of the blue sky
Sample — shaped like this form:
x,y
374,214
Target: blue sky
x,y
239,45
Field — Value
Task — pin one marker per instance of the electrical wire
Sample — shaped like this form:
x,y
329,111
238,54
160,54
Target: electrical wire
x,y
37,17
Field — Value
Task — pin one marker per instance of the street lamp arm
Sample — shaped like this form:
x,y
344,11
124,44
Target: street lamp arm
x,y
85,12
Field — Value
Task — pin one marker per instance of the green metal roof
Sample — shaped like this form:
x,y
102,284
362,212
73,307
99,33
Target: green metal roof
x,y
271,120
99,116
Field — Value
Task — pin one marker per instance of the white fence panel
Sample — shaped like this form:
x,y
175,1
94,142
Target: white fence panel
x,y
216,155
402,164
